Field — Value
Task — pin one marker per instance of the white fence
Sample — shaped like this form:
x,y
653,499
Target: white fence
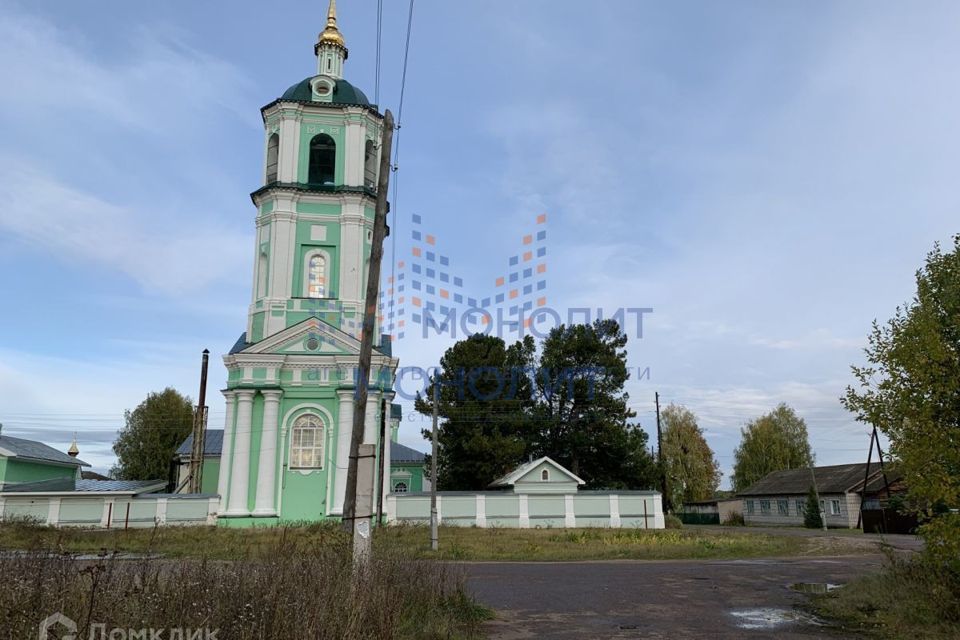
x,y
112,512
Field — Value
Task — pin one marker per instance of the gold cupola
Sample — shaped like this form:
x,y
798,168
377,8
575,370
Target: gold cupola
x,y
331,34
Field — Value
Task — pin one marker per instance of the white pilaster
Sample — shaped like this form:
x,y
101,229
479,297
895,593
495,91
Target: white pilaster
x,y
161,510
225,453
107,513
569,518
240,473
524,512
2,505
53,512
267,469
353,157
371,426
289,148
481,510
614,511
344,430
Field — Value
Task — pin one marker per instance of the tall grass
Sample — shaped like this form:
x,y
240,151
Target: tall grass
x,y
293,590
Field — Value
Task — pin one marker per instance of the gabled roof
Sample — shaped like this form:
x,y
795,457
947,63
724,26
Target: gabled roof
x,y
517,474
31,450
400,453
212,443
839,478
68,485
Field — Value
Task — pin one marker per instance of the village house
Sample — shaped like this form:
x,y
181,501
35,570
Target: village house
x,y
780,498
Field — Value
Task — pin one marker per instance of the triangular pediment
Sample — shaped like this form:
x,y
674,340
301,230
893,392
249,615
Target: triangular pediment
x,y
310,337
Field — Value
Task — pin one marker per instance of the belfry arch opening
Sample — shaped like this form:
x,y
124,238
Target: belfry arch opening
x,y
273,157
323,160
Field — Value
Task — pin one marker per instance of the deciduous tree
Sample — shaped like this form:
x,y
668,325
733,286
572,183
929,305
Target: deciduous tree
x,y
151,436
691,468
910,391
773,442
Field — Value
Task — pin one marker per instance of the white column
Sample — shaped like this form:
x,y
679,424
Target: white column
x,y
614,511
481,511
240,473
53,512
107,514
225,458
2,505
569,518
161,510
267,470
344,430
524,512
371,426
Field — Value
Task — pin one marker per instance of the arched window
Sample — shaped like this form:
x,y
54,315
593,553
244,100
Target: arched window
x,y
370,165
317,277
545,475
273,155
400,487
323,159
306,443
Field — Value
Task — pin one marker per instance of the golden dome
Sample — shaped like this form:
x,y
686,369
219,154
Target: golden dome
x,y
331,35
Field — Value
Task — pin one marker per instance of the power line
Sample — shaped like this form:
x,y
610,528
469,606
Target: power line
x,y
395,230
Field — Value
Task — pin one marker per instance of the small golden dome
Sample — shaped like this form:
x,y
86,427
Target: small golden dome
x,y
331,35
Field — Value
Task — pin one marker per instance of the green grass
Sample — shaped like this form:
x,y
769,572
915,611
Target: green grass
x,y
470,544
456,543
908,598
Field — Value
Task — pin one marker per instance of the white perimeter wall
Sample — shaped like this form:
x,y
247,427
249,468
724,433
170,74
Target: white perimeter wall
x,y
111,511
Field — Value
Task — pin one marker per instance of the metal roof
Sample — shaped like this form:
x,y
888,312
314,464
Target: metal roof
x,y
212,444
400,454
511,478
841,478
61,485
32,450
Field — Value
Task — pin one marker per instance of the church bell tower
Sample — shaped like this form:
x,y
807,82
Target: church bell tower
x,y
291,375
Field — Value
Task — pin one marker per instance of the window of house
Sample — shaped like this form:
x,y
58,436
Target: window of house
x,y
544,475
306,443
765,507
834,507
317,277
750,507
783,507
400,487
273,156
323,159
801,507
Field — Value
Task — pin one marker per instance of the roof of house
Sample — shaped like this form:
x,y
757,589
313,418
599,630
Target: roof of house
x,y
212,443
35,451
839,478
511,478
400,454
61,485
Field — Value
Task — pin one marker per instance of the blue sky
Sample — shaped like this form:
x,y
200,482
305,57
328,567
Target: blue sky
x,y
766,177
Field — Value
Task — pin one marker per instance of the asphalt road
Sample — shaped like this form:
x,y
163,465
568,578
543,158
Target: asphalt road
x,y
671,599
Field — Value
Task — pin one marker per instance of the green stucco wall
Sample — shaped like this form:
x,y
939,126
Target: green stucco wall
x,y
28,471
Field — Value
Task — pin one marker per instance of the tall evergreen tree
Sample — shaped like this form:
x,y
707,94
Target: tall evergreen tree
x,y
691,468
811,511
584,422
151,436
911,392
486,409
773,442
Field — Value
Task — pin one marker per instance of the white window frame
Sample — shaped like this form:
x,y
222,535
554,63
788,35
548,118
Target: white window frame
x,y
544,475
398,484
319,443
835,503
326,270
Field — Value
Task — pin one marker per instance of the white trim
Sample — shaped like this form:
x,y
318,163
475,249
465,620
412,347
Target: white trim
x,y
305,280
614,511
524,511
53,512
162,510
481,510
569,515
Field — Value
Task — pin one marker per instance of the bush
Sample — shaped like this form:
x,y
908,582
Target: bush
x,y
734,519
671,521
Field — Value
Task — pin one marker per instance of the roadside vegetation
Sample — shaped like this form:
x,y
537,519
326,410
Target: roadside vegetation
x,y
290,584
910,598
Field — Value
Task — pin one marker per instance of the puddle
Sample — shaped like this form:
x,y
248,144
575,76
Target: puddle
x,y
769,618
814,587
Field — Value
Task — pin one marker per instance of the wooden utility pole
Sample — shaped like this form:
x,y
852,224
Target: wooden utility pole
x,y
866,477
351,518
434,533
663,469
199,430
816,492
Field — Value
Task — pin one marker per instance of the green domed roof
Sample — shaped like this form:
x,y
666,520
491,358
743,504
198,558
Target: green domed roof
x,y
343,93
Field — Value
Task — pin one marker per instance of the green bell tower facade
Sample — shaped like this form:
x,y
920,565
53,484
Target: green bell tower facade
x,y
292,374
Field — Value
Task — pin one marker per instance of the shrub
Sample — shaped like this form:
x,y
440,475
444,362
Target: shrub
x,y
671,521
734,519
811,512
